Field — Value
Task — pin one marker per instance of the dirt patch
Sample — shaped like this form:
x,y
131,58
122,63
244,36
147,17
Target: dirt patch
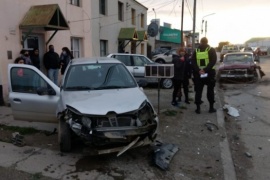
x,y
198,157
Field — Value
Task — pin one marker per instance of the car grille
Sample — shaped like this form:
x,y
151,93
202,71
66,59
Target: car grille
x,y
235,71
113,121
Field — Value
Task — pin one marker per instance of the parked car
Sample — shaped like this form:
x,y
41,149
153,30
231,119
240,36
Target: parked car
x,y
165,57
264,50
228,49
98,101
136,65
237,65
159,51
247,49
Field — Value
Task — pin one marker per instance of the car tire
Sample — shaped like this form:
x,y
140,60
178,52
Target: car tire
x,y
64,136
166,83
160,61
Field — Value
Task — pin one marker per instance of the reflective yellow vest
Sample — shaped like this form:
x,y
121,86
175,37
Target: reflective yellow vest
x,y
202,58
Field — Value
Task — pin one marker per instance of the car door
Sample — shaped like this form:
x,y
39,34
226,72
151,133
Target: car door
x,y
168,58
32,96
138,66
124,58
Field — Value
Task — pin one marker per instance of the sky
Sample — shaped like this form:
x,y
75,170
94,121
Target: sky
x,y
235,21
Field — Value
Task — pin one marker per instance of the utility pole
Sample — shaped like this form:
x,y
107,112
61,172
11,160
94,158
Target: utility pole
x,y
182,21
194,24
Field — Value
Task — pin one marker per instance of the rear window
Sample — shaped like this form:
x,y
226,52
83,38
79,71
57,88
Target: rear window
x,y
230,48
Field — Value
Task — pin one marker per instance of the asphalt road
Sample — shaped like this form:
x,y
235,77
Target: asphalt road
x,y
249,133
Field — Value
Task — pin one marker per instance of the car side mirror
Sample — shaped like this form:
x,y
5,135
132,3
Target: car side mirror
x,y
142,83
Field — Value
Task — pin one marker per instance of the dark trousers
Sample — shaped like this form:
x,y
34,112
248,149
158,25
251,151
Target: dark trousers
x,y
177,86
199,84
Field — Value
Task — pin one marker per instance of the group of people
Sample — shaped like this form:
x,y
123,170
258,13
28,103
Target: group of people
x,y
52,61
200,65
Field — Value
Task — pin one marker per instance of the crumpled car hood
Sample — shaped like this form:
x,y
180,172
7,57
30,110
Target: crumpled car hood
x,y
227,66
100,102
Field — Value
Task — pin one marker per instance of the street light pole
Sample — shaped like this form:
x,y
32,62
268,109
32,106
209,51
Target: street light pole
x,y
194,24
182,20
205,22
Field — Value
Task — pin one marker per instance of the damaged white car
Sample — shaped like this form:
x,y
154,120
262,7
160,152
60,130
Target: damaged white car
x,y
98,101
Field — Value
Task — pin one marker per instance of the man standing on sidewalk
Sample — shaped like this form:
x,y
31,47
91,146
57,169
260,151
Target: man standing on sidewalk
x,y
52,64
203,63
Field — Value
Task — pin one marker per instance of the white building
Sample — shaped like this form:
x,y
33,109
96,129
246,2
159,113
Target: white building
x,y
86,27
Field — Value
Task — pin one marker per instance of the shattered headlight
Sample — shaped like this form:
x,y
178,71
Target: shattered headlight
x,y
86,122
145,114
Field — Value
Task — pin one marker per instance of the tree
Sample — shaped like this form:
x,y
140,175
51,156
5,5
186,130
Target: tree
x,y
221,44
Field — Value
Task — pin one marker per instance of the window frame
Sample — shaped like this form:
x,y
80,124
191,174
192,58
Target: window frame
x,y
103,47
102,7
142,20
76,47
133,16
120,11
75,2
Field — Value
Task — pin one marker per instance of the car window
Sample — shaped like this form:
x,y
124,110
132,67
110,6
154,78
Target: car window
x,y
26,80
88,77
140,61
124,59
238,58
173,51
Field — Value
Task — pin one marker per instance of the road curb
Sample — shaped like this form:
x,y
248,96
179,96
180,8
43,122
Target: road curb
x,y
226,156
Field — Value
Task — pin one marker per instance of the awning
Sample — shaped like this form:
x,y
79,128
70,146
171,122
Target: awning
x,y
49,17
142,36
128,34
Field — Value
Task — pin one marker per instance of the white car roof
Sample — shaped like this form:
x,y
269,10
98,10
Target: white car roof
x,y
92,60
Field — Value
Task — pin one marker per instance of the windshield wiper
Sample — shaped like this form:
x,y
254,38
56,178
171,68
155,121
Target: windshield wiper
x,y
112,87
79,88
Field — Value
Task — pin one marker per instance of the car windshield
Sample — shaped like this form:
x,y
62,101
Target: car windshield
x,y
238,58
98,76
230,48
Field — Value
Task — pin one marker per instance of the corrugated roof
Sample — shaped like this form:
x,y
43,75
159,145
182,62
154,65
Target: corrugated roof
x,y
48,17
128,34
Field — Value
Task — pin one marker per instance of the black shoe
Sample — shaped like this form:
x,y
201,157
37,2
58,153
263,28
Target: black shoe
x,y
187,102
174,103
212,110
198,111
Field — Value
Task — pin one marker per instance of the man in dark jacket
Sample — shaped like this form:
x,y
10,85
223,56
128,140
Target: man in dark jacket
x,y
52,64
182,73
203,63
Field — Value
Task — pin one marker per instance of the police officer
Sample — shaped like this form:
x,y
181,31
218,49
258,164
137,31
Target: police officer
x,y
203,64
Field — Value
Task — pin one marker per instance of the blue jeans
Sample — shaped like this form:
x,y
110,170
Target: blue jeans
x,y
53,75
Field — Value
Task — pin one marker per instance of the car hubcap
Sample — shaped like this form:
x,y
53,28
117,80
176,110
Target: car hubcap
x,y
167,83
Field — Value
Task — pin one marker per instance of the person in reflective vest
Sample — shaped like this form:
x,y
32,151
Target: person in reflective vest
x,y
203,63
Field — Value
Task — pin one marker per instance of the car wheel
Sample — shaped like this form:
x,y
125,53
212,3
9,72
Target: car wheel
x,y
166,83
64,136
160,61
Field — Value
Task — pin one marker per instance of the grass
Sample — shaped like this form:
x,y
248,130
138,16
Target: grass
x,y
21,130
170,112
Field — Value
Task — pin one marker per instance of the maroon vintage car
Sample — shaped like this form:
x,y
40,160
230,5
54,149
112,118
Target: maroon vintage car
x,y
238,65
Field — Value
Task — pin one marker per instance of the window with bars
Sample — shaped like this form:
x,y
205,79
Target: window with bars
x,y
76,47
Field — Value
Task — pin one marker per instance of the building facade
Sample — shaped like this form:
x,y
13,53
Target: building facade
x,y
87,27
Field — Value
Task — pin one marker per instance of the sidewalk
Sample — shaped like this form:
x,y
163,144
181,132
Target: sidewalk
x,y
204,151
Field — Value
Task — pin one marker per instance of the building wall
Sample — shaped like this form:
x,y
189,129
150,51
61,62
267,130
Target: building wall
x,y
85,22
